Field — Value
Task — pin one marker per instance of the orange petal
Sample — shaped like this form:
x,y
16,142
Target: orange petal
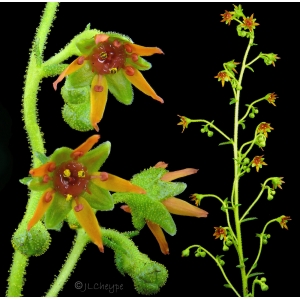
x,y
178,174
86,146
115,184
87,219
126,208
99,92
160,237
42,206
144,51
42,170
161,164
182,208
138,80
99,38
73,66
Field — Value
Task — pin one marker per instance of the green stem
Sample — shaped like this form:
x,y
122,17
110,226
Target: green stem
x,y
252,61
212,125
33,78
251,146
254,202
81,240
253,287
236,177
260,245
219,265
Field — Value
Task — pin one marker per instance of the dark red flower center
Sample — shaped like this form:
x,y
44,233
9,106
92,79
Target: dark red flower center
x,y
108,57
71,178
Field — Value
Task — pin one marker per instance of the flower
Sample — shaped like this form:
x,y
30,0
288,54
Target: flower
x,y
220,232
269,58
184,121
197,198
258,162
264,128
249,23
283,220
223,76
69,181
271,98
155,207
277,182
114,63
227,17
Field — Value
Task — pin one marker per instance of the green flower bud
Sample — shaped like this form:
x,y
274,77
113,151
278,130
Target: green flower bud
x,y
264,287
210,133
252,115
228,242
270,197
248,170
256,111
265,241
263,279
246,161
225,248
262,144
185,252
202,254
222,262
268,236
197,254
203,130
273,192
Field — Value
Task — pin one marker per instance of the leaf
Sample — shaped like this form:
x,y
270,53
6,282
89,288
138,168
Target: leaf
x,y
256,274
227,143
254,266
249,219
25,180
240,266
242,123
245,259
233,100
249,68
227,285
41,157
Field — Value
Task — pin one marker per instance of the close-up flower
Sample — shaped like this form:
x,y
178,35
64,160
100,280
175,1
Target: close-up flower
x,y
155,208
70,181
184,121
197,198
223,76
264,128
258,162
271,98
277,182
220,233
283,220
249,23
227,17
111,62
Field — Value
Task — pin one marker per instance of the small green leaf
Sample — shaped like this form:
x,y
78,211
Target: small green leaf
x,y
240,266
227,285
25,180
249,68
256,274
242,123
41,157
245,259
248,219
227,143
88,26
233,100
254,266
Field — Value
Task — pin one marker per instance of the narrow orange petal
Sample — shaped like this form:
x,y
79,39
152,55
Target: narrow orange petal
x,y
99,90
138,80
73,66
115,184
145,51
160,237
43,169
161,164
126,208
182,208
99,38
87,219
86,146
43,205
178,174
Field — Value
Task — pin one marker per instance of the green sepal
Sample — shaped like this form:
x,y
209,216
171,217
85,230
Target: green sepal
x,y
37,184
25,180
86,46
41,157
119,36
120,87
99,198
61,155
141,64
72,220
95,158
57,211
78,116
76,95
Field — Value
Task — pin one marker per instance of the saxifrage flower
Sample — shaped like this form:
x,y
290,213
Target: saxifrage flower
x,y
112,62
70,181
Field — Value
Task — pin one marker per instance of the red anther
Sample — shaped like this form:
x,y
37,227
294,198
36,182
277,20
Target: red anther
x,y
80,60
117,43
51,167
129,71
77,154
134,57
98,88
48,197
78,207
128,48
103,176
46,178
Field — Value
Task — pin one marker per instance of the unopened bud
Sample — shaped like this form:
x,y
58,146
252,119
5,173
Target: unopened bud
x,y
225,248
210,133
185,252
252,115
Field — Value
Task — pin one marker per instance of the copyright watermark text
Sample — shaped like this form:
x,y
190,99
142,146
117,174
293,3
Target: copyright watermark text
x,y
111,288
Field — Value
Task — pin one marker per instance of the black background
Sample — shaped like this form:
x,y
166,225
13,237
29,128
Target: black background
x,y
195,44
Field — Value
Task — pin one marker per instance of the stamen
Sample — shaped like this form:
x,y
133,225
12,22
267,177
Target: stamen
x,y
48,197
117,43
113,70
67,173
103,55
51,167
80,60
134,57
81,174
103,176
77,154
129,71
69,197
128,48
46,178
78,207
98,88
